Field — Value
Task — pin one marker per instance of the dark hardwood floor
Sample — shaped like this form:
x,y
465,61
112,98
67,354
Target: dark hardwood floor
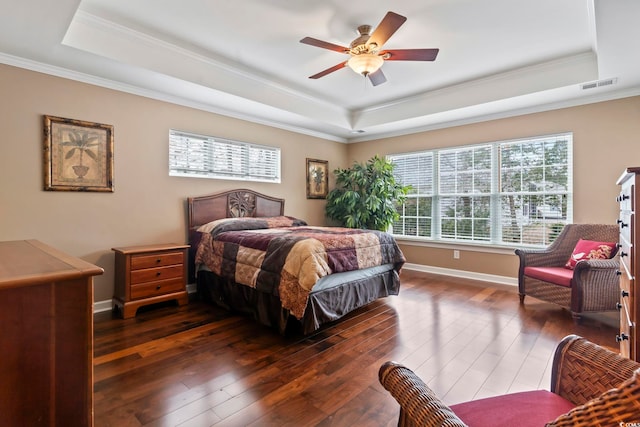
x,y
199,365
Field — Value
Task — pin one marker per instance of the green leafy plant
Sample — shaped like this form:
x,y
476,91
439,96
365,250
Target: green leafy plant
x,y
366,195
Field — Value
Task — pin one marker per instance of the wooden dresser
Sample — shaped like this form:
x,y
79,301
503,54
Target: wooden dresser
x,y
629,236
148,275
46,337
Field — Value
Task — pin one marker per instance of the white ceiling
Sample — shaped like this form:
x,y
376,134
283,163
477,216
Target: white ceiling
x,y
243,58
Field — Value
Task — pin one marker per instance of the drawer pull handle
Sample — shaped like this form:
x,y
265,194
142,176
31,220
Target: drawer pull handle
x,y
625,197
158,274
158,261
623,254
622,337
619,306
623,225
158,288
618,273
624,294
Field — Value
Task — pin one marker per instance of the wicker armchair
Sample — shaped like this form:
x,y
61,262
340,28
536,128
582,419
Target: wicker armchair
x,y
594,284
597,386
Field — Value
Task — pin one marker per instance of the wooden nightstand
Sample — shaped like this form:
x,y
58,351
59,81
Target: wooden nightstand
x,y
149,274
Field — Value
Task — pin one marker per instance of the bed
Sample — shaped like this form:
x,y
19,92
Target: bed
x,y
247,256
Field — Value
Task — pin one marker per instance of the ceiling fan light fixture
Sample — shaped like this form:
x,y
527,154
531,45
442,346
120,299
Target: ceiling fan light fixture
x,y
365,63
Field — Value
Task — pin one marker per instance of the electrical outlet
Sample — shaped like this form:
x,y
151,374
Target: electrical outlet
x,y
456,254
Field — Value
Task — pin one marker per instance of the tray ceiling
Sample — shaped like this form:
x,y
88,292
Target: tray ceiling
x,y
497,57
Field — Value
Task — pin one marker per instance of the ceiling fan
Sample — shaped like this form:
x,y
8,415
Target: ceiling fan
x,y
365,51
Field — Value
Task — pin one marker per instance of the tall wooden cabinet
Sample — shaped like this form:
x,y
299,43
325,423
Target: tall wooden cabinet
x,y
629,304
46,336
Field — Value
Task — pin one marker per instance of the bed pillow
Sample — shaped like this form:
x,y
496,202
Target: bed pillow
x,y
589,249
249,223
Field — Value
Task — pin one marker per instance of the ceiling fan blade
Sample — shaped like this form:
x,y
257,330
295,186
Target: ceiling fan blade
x,y
377,77
389,25
410,54
328,71
325,45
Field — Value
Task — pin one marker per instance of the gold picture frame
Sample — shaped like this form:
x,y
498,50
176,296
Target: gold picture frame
x,y
317,179
78,155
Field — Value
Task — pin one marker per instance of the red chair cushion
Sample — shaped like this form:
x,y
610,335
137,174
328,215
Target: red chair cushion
x,y
558,275
529,408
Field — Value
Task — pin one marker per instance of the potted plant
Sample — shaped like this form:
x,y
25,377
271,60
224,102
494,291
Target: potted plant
x,y
82,142
366,195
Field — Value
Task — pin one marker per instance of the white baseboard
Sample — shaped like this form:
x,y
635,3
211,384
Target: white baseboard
x,y
100,306
503,280
107,305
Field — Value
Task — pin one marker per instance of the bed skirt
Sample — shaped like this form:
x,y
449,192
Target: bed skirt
x,y
326,305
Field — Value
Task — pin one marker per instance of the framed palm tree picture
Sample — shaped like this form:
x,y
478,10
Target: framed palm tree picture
x,y
78,155
317,179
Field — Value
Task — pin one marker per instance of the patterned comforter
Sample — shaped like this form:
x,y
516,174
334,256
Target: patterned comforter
x,y
285,257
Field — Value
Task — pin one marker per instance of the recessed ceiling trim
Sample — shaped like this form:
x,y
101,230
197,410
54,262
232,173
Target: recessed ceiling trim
x,y
105,38
264,119
523,81
448,119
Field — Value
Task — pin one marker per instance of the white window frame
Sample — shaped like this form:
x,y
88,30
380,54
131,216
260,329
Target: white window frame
x,y
202,156
548,217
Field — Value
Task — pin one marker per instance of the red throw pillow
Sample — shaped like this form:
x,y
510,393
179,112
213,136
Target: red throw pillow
x,y
588,249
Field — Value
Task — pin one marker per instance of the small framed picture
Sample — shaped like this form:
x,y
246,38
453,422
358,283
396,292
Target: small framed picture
x,y
78,155
317,179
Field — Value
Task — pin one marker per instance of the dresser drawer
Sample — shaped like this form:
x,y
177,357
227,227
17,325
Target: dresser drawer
x,y
159,287
625,224
159,273
626,252
626,196
625,282
155,260
626,328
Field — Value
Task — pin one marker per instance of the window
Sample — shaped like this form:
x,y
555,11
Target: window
x,y
502,193
210,157
465,193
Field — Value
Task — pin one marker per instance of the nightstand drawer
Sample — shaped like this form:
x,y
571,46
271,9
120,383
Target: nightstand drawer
x,y
160,273
160,287
155,260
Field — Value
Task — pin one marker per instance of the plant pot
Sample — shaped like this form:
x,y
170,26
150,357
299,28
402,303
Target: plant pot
x,y
80,170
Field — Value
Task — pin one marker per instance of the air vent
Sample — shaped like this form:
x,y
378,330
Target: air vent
x,y
599,83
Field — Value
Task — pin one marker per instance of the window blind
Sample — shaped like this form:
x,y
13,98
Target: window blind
x,y
465,193
416,170
211,157
535,188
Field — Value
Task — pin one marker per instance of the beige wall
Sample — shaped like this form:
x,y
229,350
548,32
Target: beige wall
x,y
147,206
606,139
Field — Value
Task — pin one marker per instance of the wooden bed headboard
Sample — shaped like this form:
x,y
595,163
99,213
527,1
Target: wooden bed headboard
x,y
232,204
226,204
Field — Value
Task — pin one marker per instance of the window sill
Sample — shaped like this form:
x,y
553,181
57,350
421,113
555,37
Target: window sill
x,y
469,247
